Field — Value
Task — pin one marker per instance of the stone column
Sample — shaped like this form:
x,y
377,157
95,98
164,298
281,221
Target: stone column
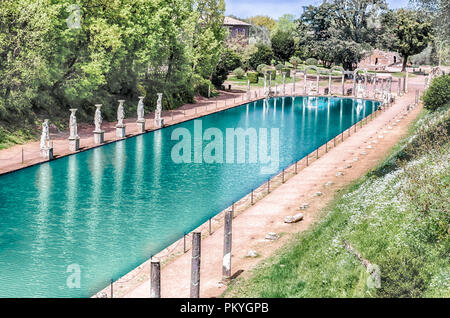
x,y
74,139
293,84
159,122
140,113
120,127
304,82
329,83
343,84
317,84
46,147
99,134
265,83
270,81
284,83
405,85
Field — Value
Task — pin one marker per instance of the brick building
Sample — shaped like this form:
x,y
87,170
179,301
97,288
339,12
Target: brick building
x,y
380,60
237,30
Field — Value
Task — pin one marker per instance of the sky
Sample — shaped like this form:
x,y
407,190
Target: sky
x,y
276,8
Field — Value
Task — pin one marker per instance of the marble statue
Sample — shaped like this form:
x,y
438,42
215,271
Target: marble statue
x,y
73,124
140,109
98,118
159,122
45,137
120,114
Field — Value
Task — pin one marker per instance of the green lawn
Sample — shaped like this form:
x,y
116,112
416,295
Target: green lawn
x,y
397,217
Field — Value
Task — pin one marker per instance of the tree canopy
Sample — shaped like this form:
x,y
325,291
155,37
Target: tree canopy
x,y
56,55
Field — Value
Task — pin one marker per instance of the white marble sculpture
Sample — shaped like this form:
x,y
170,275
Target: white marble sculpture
x,y
74,139
46,149
140,109
99,134
159,122
120,127
312,89
73,124
120,113
45,136
98,119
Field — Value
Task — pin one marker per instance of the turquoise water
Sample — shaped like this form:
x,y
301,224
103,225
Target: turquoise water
x,y
108,209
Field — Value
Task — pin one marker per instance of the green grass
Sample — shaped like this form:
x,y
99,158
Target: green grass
x,y
396,216
10,138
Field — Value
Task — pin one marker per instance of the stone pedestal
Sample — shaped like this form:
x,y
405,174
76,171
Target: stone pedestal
x,y
159,122
74,143
47,153
120,131
99,137
141,126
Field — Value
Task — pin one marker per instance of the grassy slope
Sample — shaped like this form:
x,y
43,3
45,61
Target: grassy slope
x,y
396,218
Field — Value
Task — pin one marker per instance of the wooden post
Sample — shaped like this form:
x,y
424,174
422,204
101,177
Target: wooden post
x,y
155,279
195,265
22,154
227,235
252,197
112,291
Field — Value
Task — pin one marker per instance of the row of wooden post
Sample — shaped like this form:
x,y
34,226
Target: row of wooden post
x,y
155,265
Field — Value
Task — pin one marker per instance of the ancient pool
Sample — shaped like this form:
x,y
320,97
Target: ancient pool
x,y
106,210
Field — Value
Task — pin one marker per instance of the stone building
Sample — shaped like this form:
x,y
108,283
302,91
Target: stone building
x,y
380,60
237,30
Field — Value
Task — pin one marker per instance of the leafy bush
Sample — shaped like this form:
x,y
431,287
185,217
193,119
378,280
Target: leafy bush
x,y
402,275
253,77
283,45
438,94
295,61
263,55
202,86
311,61
273,72
279,67
239,73
260,68
287,70
229,61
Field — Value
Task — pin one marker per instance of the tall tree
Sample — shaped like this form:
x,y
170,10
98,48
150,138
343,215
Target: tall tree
x,y
412,34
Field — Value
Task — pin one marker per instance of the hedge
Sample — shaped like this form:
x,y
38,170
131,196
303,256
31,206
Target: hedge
x,y
253,77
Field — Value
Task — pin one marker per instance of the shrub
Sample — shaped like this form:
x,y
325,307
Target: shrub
x,y
229,61
438,94
402,275
239,73
273,73
263,55
311,61
260,68
253,77
202,85
295,61
288,71
279,67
